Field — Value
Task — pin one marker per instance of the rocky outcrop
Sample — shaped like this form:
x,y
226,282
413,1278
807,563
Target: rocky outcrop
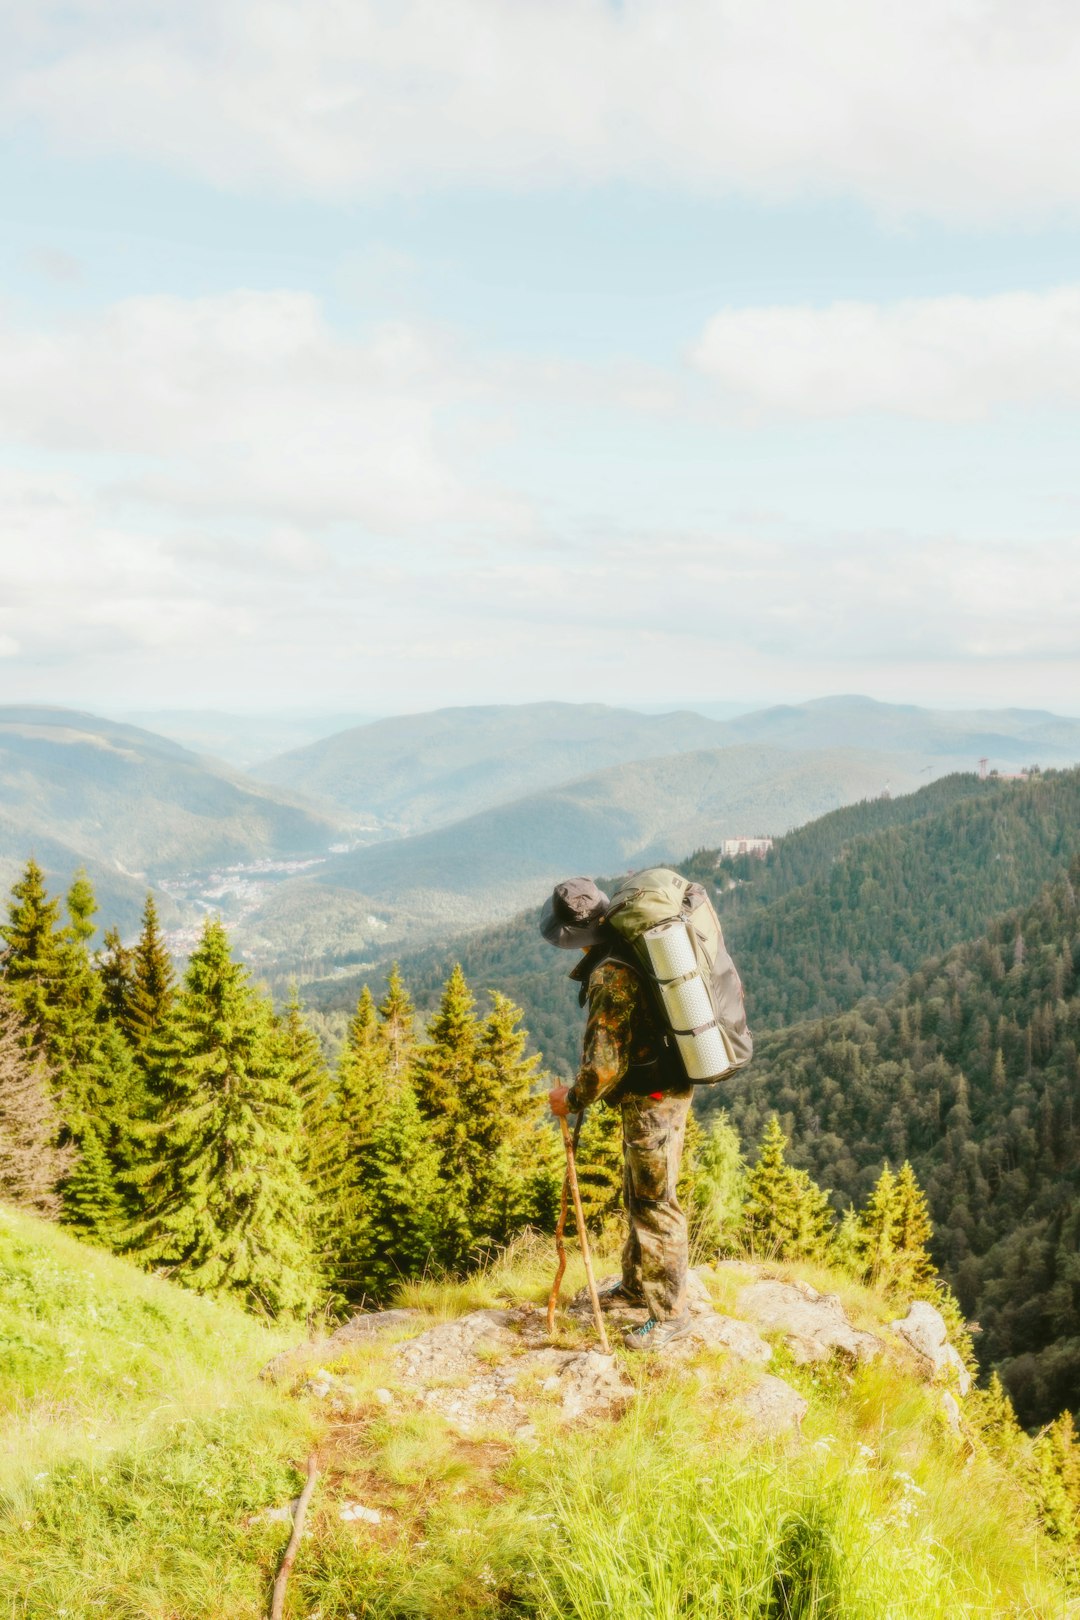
x,y
478,1371
368,1325
923,1330
773,1407
364,1327
815,1326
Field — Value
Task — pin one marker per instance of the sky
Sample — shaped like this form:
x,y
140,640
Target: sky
x,y
382,356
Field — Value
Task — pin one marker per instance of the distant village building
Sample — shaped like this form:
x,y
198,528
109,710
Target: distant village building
x,y
748,846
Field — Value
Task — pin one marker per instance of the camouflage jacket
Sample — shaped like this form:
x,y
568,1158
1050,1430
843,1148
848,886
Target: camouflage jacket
x,y
623,1048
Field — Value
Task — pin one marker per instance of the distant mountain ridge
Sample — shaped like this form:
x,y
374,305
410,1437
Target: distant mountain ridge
x,y
426,770
422,771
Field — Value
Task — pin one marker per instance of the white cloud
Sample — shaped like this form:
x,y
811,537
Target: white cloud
x,y
954,107
248,402
942,359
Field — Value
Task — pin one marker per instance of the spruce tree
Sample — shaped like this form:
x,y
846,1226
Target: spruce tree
x,y
226,1205
1055,1478
506,1163
768,1213
82,908
153,982
93,1205
51,979
785,1213
877,1227
397,1019
443,1074
30,959
363,1072
814,1221
323,1145
914,1228
115,973
32,1165
718,1187
397,1223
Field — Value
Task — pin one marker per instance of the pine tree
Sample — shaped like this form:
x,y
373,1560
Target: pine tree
x,y
506,1163
1055,1478
82,908
30,960
153,980
443,1075
718,1187
877,1227
323,1144
914,1228
115,973
785,1212
226,1205
768,1213
32,1166
395,1230
397,1017
93,1206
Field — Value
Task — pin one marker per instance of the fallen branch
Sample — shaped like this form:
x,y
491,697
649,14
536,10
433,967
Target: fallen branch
x,y
277,1607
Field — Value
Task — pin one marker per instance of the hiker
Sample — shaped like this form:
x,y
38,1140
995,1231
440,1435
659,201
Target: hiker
x,y
627,1064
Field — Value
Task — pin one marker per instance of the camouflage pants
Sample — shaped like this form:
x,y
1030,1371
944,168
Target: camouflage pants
x,y
654,1256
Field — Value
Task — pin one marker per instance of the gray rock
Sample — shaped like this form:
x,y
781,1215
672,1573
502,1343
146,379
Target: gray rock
x,y
323,1386
815,1326
450,1350
773,1407
924,1330
368,1325
951,1408
470,1371
593,1385
364,1328
740,1339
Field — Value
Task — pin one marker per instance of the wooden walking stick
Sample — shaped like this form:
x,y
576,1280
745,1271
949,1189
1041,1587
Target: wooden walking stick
x,y
277,1607
570,1182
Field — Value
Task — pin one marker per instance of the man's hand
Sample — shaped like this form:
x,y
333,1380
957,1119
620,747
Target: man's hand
x,y
557,1101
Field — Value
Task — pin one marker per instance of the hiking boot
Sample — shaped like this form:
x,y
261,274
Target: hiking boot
x,y
615,1297
654,1335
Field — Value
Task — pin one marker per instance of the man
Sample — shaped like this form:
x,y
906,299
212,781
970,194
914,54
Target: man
x,y
627,1063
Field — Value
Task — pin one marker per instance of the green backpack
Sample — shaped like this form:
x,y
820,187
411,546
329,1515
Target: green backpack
x,y
675,936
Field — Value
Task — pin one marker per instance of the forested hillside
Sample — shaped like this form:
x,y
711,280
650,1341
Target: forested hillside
x,y
971,1071
842,907
881,903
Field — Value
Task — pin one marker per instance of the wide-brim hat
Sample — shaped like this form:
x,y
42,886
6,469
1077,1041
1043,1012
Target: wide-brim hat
x,y
573,914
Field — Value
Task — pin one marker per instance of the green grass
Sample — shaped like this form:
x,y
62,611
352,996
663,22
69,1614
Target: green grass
x,y
146,1448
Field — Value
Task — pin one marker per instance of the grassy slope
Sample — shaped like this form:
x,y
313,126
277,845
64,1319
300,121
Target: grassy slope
x,y
145,1443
